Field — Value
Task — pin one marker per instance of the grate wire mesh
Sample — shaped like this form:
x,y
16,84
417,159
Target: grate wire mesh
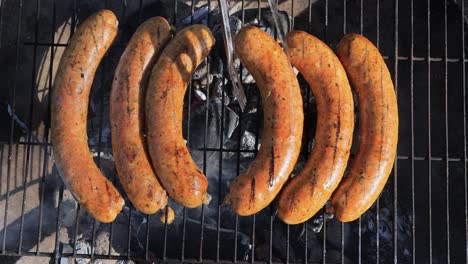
x,y
410,59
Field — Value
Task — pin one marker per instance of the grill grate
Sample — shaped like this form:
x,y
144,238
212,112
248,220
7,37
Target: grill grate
x,y
420,217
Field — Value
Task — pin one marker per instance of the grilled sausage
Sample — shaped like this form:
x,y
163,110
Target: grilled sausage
x,y
177,171
306,193
69,106
283,122
127,115
378,128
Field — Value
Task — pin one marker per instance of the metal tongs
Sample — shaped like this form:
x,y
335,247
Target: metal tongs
x,y
237,88
279,30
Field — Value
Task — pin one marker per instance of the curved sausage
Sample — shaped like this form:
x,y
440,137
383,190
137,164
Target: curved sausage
x,y
378,128
127,116
177,171
283,122
69,109
307,192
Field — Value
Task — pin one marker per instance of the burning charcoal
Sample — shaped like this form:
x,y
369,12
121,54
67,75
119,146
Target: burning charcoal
x,y
198,17
235,24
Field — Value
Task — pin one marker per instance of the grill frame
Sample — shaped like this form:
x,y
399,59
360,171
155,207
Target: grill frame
x,y
393,184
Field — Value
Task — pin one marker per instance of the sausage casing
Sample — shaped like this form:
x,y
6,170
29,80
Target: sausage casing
x,y
378,128
177,171
69,109
283,122
127,116
308,192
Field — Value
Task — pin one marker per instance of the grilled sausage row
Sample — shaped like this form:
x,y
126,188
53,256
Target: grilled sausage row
x,y
149,87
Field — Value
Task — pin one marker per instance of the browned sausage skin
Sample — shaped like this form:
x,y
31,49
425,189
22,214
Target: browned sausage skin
x,y
378,128
172,162
283,122
69,109
127,115
307,192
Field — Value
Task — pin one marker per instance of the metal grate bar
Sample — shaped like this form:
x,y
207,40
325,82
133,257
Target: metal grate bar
x,y
189,118
76,229
360,239
184,225
165,232
395,168
116,257
429,124
28,148
146,238
291,9
57,233
325,34
12,93
103,84
2,156
447,172
99,145
272,219
361,17
400,157
15,166
386,57
413,229
220,170
111,227
129,232
140,11
377,206
342,225
465,169
324,241
93,239
287,244
41,188
252,260
205,140
235,238
46,146
78,206
342,258
190,89
73,22
121,45
309,108
175,13
2,11
50,44
344,16
324,213
257,131
239,143
272,207
361,30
